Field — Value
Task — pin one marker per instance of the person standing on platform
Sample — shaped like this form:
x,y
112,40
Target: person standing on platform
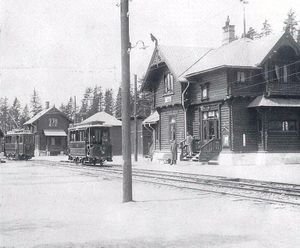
x,y
173,148
189,142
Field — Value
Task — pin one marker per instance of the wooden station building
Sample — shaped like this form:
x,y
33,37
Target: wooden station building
x,y
50,127
241,97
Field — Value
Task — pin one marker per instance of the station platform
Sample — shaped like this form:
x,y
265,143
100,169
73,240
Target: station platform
x,y
249,169
246,166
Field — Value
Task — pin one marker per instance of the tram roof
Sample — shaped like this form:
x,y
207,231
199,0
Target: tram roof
x,y
18,132
85,126
102,117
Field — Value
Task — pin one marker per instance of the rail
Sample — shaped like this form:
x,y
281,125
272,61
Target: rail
x,y
210,149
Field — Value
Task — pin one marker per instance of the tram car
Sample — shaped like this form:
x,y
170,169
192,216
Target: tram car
x,y
19,144
89,144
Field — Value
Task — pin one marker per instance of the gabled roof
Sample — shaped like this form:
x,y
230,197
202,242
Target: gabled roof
x,y
102,117
243,52
177,58
43,112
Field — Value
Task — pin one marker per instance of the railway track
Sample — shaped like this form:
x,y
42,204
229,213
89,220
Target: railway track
x,y
251,189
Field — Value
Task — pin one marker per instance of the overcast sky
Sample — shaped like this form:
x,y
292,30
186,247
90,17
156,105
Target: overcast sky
x,y
62,46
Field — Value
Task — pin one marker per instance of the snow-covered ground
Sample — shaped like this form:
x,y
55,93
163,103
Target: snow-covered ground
x,y
285,173
47,206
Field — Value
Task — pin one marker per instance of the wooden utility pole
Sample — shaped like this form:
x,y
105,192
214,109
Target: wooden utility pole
x,y
135,120
125,65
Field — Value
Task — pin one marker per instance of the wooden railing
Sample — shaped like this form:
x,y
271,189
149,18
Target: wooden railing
x,y
289,88
210,149
249,88
196,145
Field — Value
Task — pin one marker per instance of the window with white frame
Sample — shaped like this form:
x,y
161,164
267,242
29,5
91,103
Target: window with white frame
x,y
204,91
241,76
53,122
168,83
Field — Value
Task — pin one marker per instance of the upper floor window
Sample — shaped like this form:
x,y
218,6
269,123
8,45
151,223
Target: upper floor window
x,y
281,73
241,76
53,122
204,91
168,83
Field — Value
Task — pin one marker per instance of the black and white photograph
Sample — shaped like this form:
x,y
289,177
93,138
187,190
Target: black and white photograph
x,y
149,124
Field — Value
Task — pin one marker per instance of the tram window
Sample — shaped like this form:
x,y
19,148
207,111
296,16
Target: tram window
x,y
20,139
81,135
104,136
71,136
77,136
8,139
97,136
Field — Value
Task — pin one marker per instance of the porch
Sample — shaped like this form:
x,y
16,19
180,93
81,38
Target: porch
x,y
278,124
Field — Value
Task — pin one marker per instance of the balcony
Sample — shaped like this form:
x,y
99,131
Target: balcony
x,y
290,88
249,88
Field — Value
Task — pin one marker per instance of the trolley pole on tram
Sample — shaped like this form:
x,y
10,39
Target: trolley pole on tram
x,y
125,85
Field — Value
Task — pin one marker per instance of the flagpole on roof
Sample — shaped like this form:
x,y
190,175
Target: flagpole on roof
x,y
244,2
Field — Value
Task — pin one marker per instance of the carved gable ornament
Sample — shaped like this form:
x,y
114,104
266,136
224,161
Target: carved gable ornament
x,y
157,59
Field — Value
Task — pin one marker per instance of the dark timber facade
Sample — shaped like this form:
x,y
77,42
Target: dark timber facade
x,y
244,94
50,128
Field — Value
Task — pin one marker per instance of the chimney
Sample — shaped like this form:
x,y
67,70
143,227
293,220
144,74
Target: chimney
x,y
228,32
47,104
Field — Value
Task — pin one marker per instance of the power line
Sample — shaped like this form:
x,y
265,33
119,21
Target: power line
x,y
267,71
286,84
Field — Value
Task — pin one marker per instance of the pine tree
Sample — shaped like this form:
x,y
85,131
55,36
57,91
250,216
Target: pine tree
x,y
35,103
62,108
4,116
101,99
85,106
298,37
15,114
69,109
97,104
266,29
118,104
24,115
251,34
109,101
291,23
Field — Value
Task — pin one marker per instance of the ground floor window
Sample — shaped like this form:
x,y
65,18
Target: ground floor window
x,y
172,127
283,125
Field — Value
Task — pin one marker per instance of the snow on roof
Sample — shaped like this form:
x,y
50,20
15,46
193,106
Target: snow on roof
x,y
41,113
180,58
262,101
37,116
243,52
151,119
104,118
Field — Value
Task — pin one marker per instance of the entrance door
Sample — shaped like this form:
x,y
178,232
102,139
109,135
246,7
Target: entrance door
x,y
210,125
210,129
